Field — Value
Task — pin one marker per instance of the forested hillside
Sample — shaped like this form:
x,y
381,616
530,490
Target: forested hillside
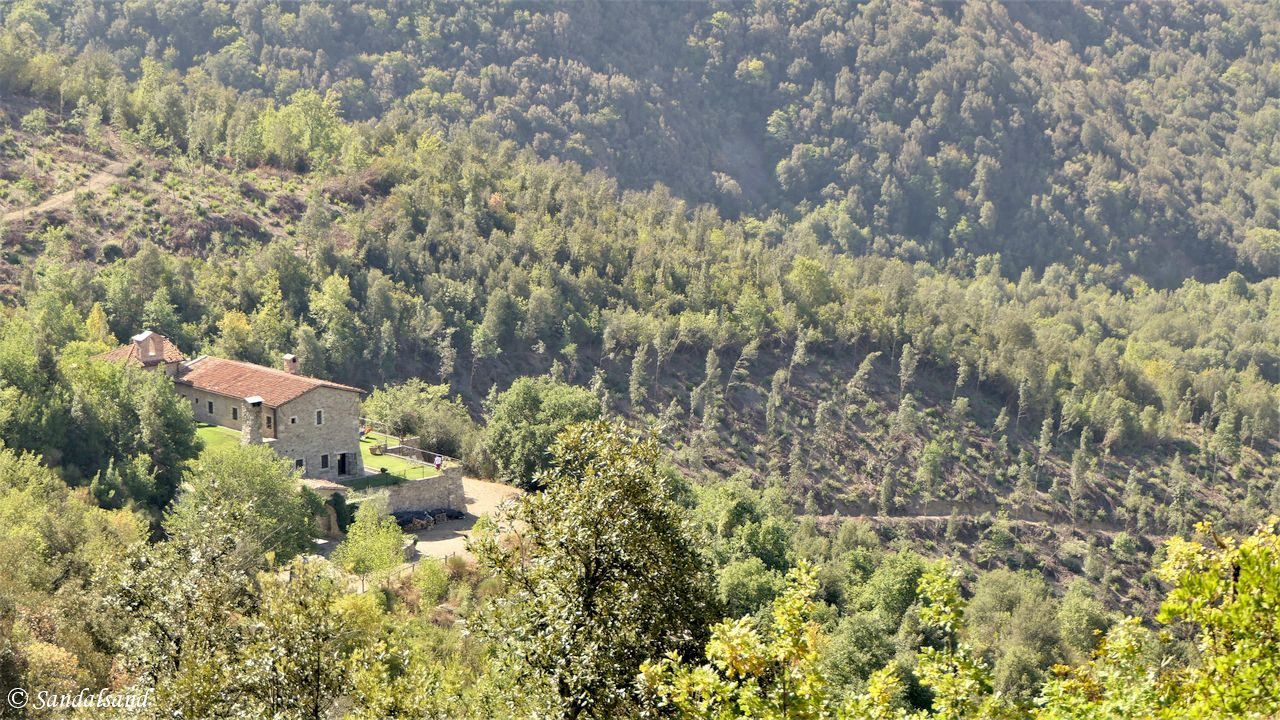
x,y
1131,136
889,282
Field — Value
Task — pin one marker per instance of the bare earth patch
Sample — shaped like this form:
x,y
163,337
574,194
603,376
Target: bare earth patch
x,y
98,181
450,538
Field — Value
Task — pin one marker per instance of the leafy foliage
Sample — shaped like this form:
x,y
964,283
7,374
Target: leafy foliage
x,y
601,573
751,672
259,492
374,542
525,420
415,409
997,281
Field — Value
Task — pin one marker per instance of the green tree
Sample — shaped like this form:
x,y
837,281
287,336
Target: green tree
x,y
755,670
97,328
1225,443
183,602
294,654
374,542
810,284
1010,621
525,420
306,133
1117,682
125,419
929,467
264,506
416,408
957,676
431,579
1224,592
160,314
638,386
270,320
907,363
860,644
339,330
1082,619
746,585
601,572
235,338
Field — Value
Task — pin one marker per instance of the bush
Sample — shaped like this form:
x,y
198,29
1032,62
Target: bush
x,y
35,122
432,580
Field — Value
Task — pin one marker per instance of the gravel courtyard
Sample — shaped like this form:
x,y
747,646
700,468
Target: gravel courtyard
x,y
450,538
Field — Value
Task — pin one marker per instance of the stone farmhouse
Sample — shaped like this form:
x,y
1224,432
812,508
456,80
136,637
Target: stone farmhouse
x,y
315,423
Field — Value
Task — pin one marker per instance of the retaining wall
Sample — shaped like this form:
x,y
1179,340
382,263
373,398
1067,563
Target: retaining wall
x,y
442,492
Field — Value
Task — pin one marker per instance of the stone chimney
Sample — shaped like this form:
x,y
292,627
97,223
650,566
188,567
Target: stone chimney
x,y
251,431
150,347
291,364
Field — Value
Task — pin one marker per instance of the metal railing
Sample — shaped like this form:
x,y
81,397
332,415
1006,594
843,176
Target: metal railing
x,y
379,428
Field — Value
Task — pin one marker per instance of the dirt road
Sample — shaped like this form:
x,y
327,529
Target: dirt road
x,y
98,181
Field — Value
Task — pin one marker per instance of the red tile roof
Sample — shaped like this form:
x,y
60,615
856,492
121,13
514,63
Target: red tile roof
x,y
134,353
241,380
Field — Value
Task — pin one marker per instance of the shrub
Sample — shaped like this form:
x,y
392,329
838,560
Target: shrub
x,y
36,122
432,580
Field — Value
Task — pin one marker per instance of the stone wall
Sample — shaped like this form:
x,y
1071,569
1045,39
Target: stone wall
x,y
223,406
298,437
408,448
443,492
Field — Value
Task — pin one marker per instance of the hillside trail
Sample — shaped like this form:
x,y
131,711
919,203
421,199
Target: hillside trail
x,y
936,511
1093,526
98,181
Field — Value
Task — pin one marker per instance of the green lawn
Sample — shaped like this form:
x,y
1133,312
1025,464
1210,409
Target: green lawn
x,y
398,469
372,481
215,436
406,469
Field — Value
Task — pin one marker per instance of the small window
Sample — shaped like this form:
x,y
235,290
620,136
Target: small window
x,y
195,402
300,464
319,417
293,420
210,406
268,422
324,462
235,413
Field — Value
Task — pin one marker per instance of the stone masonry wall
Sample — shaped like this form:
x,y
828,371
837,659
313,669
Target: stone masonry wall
x,y
443,492
222,408
298,436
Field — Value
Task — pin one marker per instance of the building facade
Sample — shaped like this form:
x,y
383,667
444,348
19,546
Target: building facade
x,y
312,422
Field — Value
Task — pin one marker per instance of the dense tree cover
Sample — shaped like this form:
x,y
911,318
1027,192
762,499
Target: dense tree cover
x,y
996,279
1220,595
212,621
450,279
602,595
1130,136
774,676
55,541
539,267
124,434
